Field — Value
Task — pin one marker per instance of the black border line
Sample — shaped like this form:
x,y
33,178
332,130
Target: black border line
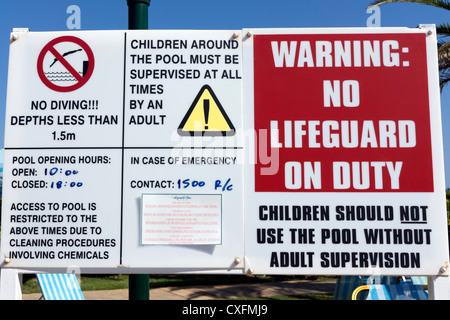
x,y
123,150
115,148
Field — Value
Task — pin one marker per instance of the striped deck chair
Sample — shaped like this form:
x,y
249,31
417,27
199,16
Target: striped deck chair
x,y
416,280
392,292
345,285
423,281
59,286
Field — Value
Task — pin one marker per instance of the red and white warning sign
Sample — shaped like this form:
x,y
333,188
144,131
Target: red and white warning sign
x,y
65,64
348,172
338,113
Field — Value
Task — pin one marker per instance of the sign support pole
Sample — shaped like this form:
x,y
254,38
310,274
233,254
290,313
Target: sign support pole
x,y
138,284
10,284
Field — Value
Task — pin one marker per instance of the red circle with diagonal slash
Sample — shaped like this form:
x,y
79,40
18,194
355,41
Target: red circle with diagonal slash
x,y
50,48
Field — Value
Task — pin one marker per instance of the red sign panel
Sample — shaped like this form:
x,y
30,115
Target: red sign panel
x,y
342,113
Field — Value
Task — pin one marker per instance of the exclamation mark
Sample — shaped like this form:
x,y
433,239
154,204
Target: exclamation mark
x,y
206,111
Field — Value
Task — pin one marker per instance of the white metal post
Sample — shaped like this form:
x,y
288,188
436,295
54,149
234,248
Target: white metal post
x,y
439,288
10,284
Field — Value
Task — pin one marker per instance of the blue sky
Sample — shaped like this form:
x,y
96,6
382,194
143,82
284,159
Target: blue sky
x,y
51,15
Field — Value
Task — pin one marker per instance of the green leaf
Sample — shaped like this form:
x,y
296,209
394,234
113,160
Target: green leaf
x,y
436,3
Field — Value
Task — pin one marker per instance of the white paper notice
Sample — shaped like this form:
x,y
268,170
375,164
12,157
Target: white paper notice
x,y
194,219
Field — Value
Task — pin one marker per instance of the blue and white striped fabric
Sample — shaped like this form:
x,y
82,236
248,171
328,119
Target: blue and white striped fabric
x,y
420,280
59,286
345,285
397,292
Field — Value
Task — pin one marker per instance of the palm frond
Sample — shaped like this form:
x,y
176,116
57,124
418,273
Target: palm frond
x,y
444,78
444,4
443,29
444,52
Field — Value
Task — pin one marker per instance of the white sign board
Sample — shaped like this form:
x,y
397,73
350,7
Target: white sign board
x,y
348,174
95,121
134,151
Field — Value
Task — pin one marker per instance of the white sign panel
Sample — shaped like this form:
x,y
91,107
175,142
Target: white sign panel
x,y
97,119
347,177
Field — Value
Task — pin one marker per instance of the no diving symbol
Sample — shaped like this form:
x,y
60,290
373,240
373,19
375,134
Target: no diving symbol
x,y
65,64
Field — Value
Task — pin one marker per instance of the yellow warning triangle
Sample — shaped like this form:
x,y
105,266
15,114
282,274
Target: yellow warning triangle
x,y
206,117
